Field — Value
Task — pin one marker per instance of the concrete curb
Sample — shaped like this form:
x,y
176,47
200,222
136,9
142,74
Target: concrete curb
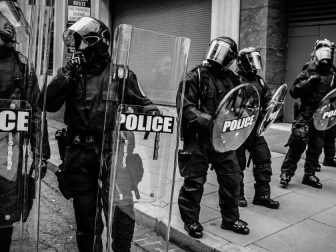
x,y
154,219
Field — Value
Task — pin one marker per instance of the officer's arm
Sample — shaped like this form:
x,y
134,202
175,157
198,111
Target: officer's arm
x,y
35,97
58,90
267,95
191,113
134,94
300,86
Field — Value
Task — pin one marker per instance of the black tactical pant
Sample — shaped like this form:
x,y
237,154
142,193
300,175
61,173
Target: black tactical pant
x,y
5,238
261,157
314,140
329,143
81,175
193,167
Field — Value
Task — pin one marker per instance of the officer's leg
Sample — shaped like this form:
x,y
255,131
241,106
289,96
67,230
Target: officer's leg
x,y
229,178
123,222
5,238
194,172
315,145
85,213
241,156
262,172
329,147
123,228
81,174
289,165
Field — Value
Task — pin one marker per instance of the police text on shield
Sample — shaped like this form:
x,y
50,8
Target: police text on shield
x,y
143,122
238,124
14,120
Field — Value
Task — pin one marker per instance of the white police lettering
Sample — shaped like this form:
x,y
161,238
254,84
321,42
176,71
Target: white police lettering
x,y
238,124
329,114
142,122
10,151
14,120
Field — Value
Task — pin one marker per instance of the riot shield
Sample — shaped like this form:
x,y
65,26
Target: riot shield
x,y
27,25
235,118
273,109
15,123
325,114
140,142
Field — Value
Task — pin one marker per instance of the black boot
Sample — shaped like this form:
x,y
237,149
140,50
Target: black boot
x,y
194,229
239,227
284,179
265,201
311,180
329,161
242,201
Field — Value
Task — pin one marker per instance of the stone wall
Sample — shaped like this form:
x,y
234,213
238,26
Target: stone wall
x,y
263,24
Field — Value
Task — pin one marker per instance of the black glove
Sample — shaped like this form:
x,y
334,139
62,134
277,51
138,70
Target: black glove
x,y
62,185
43,168
151,110
314,79
76,62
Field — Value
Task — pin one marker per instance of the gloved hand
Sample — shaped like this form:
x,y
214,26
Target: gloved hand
x,y
43,168
314,79
151,110
76,62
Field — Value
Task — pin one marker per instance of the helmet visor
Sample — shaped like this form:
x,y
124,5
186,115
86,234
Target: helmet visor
x,y
323,53
220,52
86,29
13,22
251,61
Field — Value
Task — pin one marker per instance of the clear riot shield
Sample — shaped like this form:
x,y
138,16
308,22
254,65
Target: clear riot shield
x,y
273,109
138,161
235,118
26,28
15,162
325,114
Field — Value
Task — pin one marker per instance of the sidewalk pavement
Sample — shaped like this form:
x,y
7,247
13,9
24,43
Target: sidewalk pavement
x,y
305,221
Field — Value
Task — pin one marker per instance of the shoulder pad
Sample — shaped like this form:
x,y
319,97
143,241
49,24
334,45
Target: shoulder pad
x,y
23,59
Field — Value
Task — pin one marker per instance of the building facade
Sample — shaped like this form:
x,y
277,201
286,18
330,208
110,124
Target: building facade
x,y
284,31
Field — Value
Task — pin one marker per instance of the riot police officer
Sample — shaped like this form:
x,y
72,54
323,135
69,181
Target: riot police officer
x,y
248,63
17,82
82,84
205,87
312,84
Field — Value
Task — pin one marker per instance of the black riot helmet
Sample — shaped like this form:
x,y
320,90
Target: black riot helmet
x,y
323,52
14,27
86,34
249,60
222,51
